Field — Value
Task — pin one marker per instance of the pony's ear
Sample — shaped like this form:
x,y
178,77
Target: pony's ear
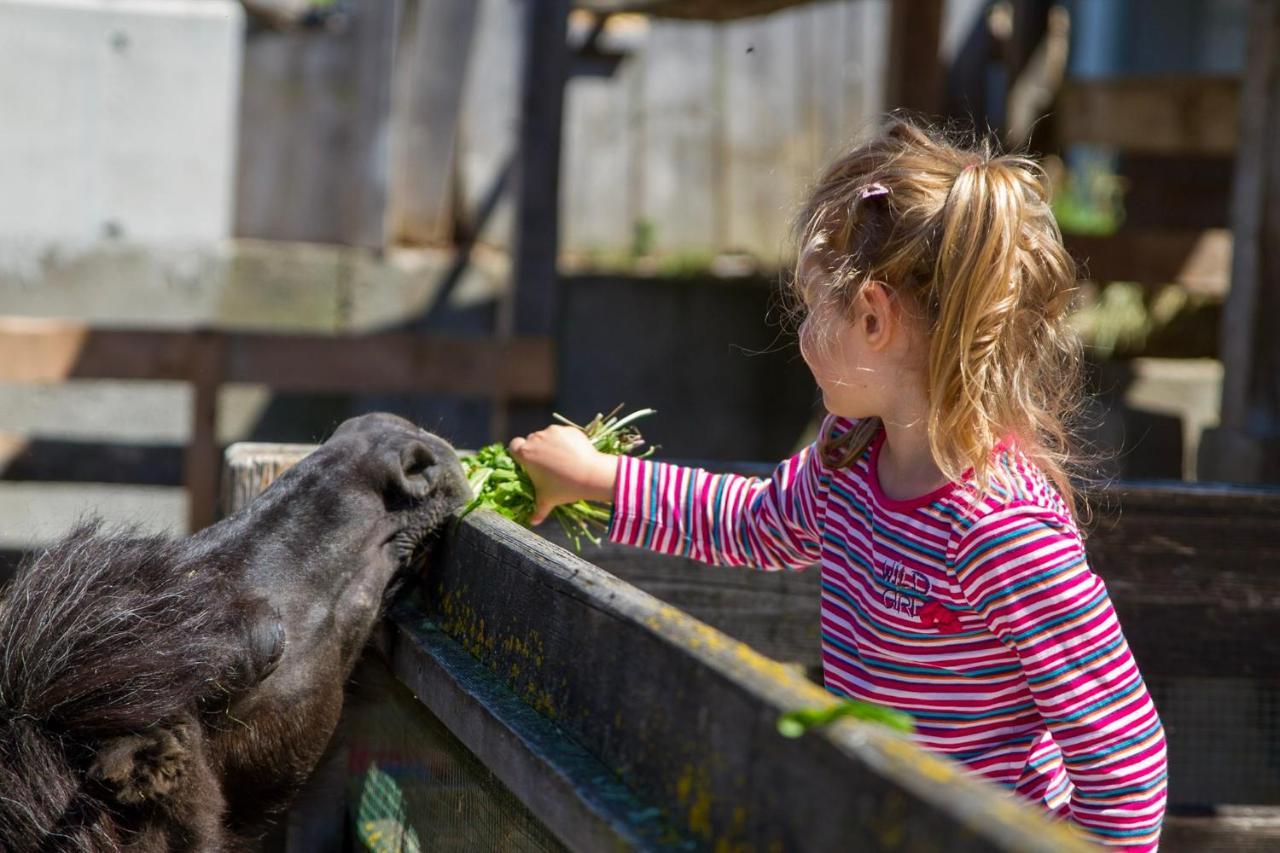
x,y
150,766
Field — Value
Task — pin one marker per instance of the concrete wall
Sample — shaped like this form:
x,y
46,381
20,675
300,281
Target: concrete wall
x,y
119,120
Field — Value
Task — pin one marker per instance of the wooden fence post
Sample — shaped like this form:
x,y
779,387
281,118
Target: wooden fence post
x,y
913,80
1246,448
202,461
531,305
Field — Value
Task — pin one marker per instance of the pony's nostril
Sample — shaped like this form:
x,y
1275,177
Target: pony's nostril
x,y
417,460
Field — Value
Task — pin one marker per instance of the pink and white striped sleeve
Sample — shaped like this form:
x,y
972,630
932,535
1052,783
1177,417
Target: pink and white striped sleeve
x,y
1023,569
725,519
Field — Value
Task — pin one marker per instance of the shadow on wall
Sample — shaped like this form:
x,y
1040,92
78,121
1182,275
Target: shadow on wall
x,y
711,355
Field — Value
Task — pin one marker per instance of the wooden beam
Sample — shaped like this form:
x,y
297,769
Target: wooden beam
x,y
392,362
40,351
1161,115
1199,260
1235,828
913,78
531,305
1249,349
696,10
1247,446
201,463
1194,572
249,467
44,460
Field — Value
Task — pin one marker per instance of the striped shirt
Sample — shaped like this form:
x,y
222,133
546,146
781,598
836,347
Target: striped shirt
x,y
977,615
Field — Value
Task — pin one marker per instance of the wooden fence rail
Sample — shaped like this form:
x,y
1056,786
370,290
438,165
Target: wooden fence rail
x,y
1193,572
50,351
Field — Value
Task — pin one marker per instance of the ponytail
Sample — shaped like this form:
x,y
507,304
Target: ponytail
x,y
1002,364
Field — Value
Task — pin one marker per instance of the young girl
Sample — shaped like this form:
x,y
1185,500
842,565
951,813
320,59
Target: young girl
x,y
936,499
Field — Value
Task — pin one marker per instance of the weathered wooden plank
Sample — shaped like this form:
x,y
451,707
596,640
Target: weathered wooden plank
x,y
670,704
53,351
520,367
432,52
490,111
23,458
914,76
767,157
365,204
569,790
700,10
680,147
1169,115
33,350
249,467
1230,829
601,136
1199,260
296,144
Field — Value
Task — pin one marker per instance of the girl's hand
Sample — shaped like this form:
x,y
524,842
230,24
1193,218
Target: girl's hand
x,y
564,467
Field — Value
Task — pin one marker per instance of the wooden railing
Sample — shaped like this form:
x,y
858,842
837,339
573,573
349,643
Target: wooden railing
x,y
685,716
623,723
49,351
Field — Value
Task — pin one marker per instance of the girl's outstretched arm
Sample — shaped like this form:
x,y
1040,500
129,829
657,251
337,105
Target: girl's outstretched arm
x,y
725,519
1023,569
716,518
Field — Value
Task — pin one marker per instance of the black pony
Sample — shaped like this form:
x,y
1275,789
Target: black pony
x,y
173,695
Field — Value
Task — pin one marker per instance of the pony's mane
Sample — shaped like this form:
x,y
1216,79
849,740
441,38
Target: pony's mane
x,y
108,633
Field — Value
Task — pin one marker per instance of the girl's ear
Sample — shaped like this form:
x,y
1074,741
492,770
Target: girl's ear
x,y
876,317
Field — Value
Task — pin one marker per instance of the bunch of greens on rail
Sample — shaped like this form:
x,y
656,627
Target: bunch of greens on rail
x,y
796,723
500,484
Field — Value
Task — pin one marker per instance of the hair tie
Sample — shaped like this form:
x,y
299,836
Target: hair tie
x,y
872,191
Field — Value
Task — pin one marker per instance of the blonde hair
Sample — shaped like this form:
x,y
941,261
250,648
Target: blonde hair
x,y
968,235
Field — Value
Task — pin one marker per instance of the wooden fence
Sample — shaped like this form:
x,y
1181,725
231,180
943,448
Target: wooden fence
x,y
1194,574
623,723
678,136
49,351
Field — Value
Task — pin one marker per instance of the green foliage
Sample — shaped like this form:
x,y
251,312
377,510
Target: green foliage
x,y
796,723
1118,322
1091,202
1128,320
643,237
500,484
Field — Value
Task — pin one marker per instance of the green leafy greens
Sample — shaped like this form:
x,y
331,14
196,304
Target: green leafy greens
x,y
796,723
500,484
